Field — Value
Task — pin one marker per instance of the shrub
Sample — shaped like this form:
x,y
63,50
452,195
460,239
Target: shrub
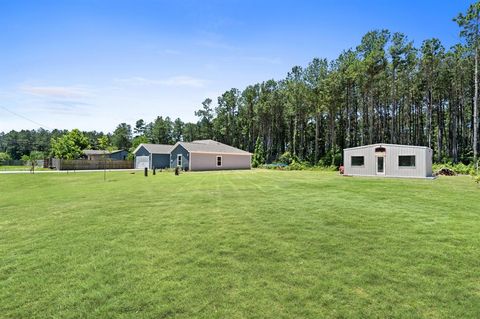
x,y
459,168
259,154
279,166
287,158
5,157
298,166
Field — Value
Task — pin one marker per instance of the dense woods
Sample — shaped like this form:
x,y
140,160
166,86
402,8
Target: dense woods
x,y
387,90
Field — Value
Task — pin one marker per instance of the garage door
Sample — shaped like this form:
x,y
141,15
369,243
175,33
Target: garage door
x,y
142,162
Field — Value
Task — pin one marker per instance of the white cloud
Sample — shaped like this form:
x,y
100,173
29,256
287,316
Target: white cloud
x,y
171,52
212,40
55,91
172,81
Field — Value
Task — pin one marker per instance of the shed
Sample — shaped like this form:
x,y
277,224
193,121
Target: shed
x,y
152,156
388,160
208,155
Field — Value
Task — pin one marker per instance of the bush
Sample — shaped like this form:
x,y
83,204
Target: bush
x,y
298,166
279,166
477,179
5,157
287,158
459,168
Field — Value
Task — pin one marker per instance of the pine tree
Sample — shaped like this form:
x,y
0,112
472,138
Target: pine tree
x,y
259,154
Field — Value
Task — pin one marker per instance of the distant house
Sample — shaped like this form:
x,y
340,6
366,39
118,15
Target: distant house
x,y
152,156
103,154
389,160
206,155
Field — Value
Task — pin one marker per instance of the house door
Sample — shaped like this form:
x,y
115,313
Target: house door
x,y
380,165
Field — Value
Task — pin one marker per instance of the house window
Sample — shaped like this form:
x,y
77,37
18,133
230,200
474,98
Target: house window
x,y
358,160
219,161
406,161
179,160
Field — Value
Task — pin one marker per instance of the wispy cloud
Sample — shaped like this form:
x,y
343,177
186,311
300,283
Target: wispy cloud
x,y
172,81
213,40
66,104
68,107
55,91
171,52
64,100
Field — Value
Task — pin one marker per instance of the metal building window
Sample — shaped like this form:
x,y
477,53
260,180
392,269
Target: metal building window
x,y
406,160
219,161
358,160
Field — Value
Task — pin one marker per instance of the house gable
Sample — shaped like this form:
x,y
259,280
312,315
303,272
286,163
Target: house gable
x,y
141,151
178,149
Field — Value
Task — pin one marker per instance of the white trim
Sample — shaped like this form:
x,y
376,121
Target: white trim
x,y
138,147
376,165
351,158
407,167
221,160
142,144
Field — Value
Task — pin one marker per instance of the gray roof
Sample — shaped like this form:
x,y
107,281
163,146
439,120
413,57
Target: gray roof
x,y
100,152
210,146
155,148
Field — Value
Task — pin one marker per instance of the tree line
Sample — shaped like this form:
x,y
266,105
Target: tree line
x,y
386,90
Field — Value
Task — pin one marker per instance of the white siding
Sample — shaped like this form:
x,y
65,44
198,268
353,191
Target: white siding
x,y
208,161
423,161
369,161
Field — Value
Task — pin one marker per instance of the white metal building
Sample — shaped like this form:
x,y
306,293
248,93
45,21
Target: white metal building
x,y
389,160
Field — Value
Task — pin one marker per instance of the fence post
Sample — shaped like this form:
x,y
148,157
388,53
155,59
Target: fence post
x,y
145,172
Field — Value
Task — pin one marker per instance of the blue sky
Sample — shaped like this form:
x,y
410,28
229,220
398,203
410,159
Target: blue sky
x,y
94,64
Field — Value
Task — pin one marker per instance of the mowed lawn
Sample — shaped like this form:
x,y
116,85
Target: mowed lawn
x,y
246,244
21,168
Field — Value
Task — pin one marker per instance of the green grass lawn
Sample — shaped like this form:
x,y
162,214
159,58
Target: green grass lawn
x,y
20,168
249,244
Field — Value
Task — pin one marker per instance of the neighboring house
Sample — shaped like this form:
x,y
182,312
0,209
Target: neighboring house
x,y
102,154
206,155
389,160
152,156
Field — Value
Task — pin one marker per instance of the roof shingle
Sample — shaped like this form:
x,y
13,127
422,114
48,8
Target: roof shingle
x,y
156,148
210,146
